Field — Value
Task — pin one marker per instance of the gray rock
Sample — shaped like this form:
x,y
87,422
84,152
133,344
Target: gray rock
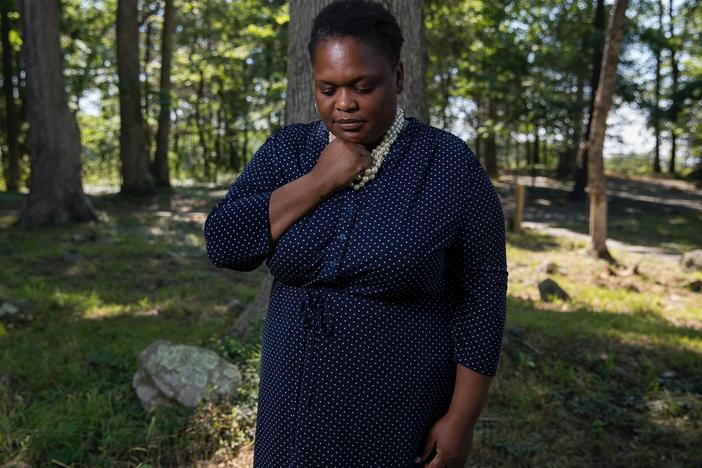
x,y
692,260
549,289
180,373
15,312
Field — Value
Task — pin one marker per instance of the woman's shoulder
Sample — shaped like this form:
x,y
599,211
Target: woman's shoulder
x,y
449,149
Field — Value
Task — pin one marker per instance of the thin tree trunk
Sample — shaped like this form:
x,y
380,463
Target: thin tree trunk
x,y
675,100
490,142
56,191
566,160
657,95
581,170
160,167
136,178
12,164
202,135
603,102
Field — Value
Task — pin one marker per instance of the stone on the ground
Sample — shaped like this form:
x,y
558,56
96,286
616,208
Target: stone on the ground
x,y
234,306
185,374
695,286
549,289
551,268
692,260
15,312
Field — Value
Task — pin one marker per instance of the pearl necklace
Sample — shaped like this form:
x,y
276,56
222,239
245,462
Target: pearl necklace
x,y
379,152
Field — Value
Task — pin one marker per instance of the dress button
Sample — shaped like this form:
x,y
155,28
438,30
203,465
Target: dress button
x,y
342,236
332,263
349,209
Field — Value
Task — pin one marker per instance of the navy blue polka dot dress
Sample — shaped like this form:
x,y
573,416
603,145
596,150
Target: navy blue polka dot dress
x,y
377,294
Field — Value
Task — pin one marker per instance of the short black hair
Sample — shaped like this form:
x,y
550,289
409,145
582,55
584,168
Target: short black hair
x,y
366,20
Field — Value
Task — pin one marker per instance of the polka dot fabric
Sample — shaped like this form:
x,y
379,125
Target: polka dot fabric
x,y
376,295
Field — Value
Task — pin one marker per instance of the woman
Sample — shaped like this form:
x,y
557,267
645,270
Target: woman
x,y
387,309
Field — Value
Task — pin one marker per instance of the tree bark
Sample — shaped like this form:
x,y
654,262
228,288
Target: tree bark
x,y
657,96
490,141
581,169
299,106
160,165
675,100
566,160
595,144
136,178
56,191
12,164
410,17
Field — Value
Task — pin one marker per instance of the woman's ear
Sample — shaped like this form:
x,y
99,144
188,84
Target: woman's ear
x,y
399,77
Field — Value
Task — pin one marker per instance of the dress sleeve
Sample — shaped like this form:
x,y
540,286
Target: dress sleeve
x,y
237,230
479,275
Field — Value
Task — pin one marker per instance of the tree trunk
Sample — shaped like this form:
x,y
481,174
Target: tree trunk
x,y
160,166
56,191
136,178
299,106
566,159
603,102
490,142
12,164
410,17
675,100
581,170
657,96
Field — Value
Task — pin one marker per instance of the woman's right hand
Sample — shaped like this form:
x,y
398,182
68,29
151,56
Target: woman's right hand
x,y
340,162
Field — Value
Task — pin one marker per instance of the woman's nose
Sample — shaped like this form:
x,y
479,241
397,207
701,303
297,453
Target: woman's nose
x,y
345,102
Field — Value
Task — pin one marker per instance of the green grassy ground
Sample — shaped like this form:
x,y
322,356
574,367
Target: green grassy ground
x,y
610,378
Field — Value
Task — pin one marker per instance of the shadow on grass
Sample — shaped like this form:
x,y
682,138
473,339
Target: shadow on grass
x,y
593,388
651,216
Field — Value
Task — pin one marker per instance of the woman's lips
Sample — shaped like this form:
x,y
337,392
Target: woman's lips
x,y
349,125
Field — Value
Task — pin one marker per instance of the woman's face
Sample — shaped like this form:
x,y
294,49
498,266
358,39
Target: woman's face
x,y
356,89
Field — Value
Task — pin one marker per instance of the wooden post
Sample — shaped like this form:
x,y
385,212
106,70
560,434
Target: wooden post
x,y
518,207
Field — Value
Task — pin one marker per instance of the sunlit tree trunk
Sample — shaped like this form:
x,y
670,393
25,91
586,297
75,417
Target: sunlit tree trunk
x,y
56,191
595,144
136,178
160,165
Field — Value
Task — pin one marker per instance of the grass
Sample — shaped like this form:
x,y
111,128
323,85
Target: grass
x,y
610,377
97,304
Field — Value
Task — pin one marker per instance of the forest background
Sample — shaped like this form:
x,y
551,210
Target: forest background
x,y
145,111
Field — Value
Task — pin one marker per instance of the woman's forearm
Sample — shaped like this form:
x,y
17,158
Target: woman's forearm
x,y
470,393
291,201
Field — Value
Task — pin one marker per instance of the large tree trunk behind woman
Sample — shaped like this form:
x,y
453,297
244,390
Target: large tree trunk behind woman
x,y
300,99
595,143
56,191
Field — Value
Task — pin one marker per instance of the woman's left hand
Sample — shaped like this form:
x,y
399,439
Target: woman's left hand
x,y
453,441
